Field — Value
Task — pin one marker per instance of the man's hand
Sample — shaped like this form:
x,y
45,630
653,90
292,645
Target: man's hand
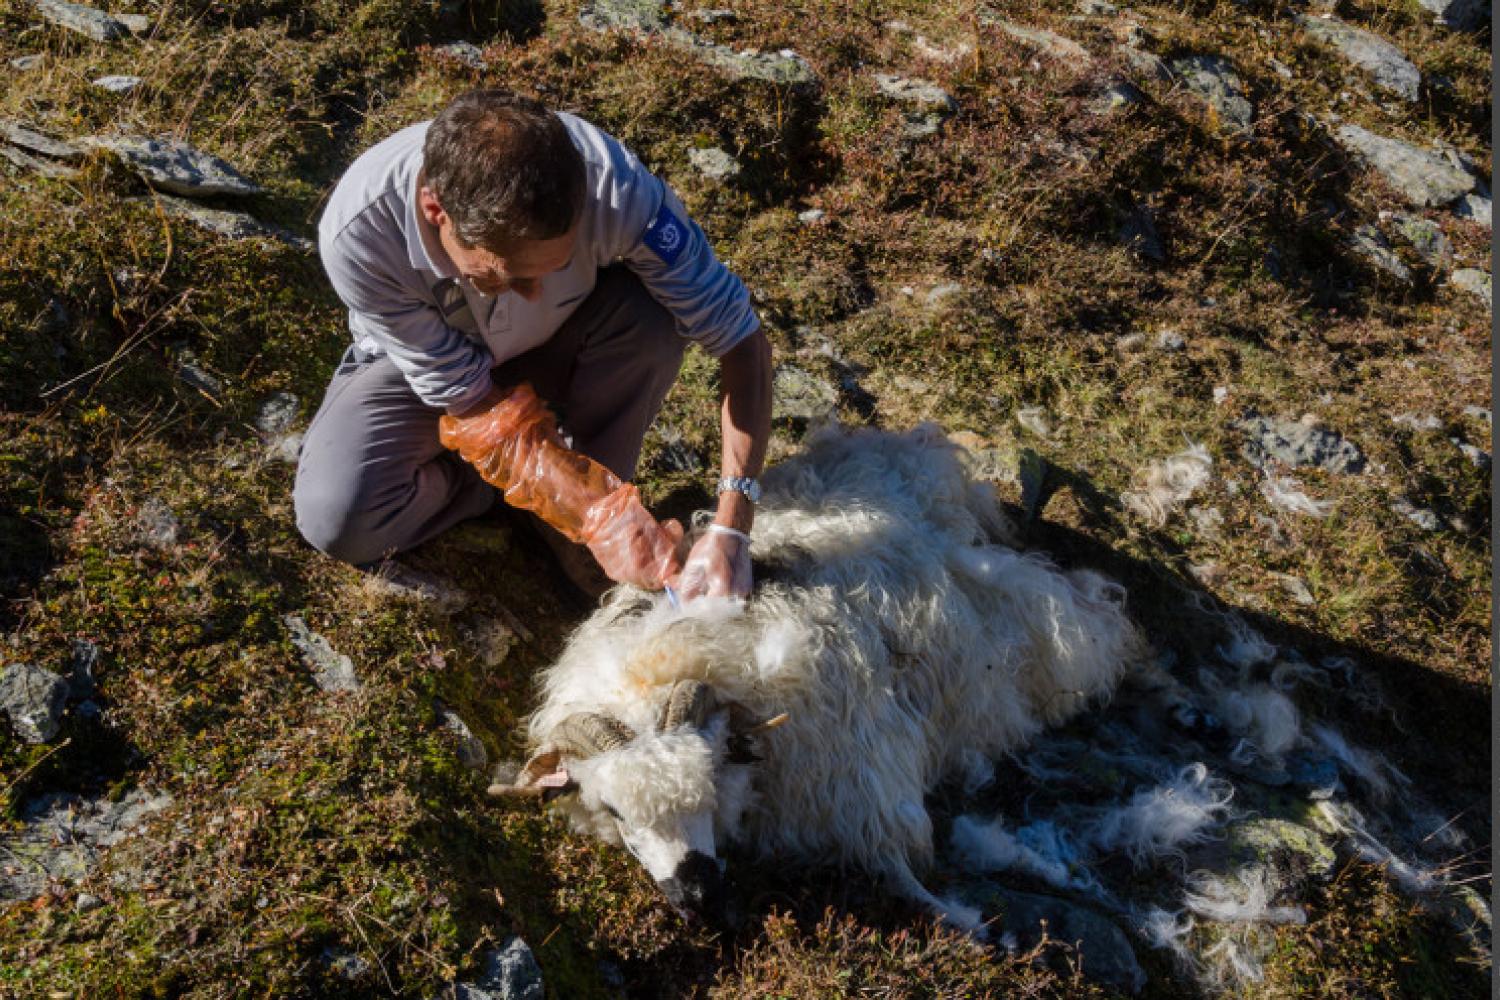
x,y
717,566
628,543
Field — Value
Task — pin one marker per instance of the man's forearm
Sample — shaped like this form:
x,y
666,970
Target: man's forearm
x,y
745,375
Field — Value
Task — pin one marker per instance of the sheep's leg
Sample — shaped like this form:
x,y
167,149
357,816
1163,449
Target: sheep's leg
x,y
900,878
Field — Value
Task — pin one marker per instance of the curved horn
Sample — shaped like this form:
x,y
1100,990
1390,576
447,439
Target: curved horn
x,y
584,734
691,701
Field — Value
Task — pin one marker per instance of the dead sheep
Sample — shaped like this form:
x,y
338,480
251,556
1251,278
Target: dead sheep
x,y
895,638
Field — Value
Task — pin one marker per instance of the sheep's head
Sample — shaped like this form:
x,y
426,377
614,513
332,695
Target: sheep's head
x,y
666,795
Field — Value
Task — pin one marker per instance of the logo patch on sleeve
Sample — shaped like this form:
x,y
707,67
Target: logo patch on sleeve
x,y
666,235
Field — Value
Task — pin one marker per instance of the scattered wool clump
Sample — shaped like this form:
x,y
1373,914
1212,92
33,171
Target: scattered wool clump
x,y
1265,718
1245,898
1041,849
1160,821
1285,493
1376,773
1168,483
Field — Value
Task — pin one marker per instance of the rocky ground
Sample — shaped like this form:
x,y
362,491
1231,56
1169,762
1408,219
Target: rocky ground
x,y
1204,289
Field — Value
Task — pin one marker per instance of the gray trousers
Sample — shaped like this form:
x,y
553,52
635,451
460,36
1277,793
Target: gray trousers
x,y
373,479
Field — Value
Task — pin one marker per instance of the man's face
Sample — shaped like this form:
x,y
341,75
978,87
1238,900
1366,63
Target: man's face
x,y
520,266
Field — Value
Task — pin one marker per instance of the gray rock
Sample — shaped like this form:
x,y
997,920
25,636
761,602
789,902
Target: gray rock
x,y
713,16
285,448
812,215
1422,176
403,583
1427,239
1116,96
138,24
631,15
118,84
33,141
62,835
1280,68
175,166
1277,853
714,163
195,376
1296,588
156,525
82,663
1097,8
1035,420
277,413
235,225
1476,208
85,20
332,671
1385,63
25,63
1138,234
1103,949
491,640
36,164
1475,282
34,700
1478,457
783,67
1317,776
471,751
798,395
1170,341
674,454
1425,422
1298,443
1479,413
345,965
1213,79
1459,15
1048,43
1371,244
908,90
87,902
938,294
467,53
1149,66
1420,516
510,972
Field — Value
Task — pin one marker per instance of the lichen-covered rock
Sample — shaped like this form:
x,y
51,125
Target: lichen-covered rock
x,y
1422,176
1385,63
510,972
1475,282
1476,208
175,166
1427,239
634,15
800,396
332,671
118,84
33,141
234,225
1371,244
714,163
62,836
1213,79
34,700
1048,43
1298,443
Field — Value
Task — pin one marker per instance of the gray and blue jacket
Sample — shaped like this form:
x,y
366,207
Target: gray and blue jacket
x,y
406,298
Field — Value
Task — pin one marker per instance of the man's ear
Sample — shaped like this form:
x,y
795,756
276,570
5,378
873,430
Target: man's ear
x,y
432,209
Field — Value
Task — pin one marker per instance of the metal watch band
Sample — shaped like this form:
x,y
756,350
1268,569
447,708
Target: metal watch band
x,y
741,484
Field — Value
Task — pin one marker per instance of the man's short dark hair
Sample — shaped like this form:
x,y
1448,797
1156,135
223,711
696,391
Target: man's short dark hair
x,y
504,168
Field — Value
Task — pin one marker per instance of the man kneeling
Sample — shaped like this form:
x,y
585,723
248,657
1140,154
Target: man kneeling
x,y
502,248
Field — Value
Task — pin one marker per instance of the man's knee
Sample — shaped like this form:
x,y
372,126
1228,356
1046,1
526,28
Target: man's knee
x,y
650,323
332,520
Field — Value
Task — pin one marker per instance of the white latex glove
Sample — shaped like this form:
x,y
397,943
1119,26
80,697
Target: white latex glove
x,y
717,566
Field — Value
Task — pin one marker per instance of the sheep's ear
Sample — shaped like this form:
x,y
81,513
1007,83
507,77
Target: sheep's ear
x,y
543,776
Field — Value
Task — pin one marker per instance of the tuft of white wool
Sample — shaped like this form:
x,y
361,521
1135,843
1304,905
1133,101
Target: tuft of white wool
x,y
1232,962
1244,898
956,913
1165,930
1039,849
1285,493
1264,717
1161,820
1167,483
1246,647
648,779
976,771
1370,768
1288,675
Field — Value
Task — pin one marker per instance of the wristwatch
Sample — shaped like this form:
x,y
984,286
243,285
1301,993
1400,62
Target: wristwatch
x,y
741,484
